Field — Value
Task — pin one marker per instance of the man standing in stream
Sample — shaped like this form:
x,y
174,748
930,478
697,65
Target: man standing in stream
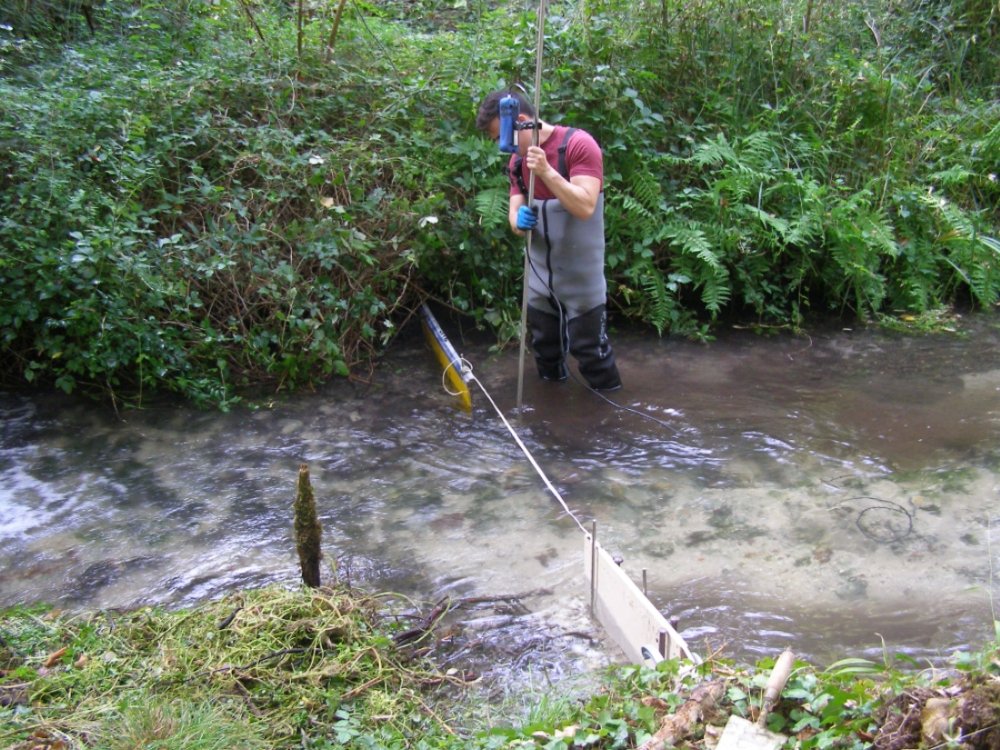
x,y
567,291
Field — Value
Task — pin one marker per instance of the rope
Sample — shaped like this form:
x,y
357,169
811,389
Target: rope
x,y
444,378
467,371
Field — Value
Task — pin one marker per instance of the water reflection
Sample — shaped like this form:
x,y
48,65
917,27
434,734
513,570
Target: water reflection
x,y
837,493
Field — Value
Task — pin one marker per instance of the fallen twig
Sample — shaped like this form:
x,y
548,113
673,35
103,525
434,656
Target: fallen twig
x,y
680,724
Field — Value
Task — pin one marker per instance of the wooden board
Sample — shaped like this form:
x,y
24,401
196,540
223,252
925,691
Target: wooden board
x,y
624,611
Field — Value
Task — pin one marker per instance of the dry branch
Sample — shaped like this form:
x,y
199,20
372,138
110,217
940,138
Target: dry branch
x,y
688,717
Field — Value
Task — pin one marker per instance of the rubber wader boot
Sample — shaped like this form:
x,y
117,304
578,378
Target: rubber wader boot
x,y
547,343
588,342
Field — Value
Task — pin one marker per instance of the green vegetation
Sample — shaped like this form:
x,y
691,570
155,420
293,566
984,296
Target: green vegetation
x,y
215,198
334,668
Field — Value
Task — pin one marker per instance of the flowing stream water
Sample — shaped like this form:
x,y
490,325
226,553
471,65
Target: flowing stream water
x,y
834,492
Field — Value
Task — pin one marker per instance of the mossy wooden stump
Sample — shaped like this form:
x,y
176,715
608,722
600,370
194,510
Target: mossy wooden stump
x,y
308,530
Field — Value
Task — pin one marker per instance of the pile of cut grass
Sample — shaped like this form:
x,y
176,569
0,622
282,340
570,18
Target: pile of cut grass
x,y
270,668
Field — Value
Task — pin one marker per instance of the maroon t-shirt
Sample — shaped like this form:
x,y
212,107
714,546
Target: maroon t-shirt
x,y
583,157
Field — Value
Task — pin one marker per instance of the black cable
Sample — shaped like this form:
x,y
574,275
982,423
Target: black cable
x,y
883,532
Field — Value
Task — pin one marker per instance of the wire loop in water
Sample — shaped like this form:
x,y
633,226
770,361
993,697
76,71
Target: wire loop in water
x,y
882,526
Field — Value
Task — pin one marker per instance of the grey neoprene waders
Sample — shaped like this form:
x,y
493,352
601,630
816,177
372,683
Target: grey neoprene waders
x,y
567,294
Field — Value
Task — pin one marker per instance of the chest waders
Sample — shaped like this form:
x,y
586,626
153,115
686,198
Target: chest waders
x,y
567,291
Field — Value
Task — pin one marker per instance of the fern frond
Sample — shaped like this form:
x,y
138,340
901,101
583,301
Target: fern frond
x,y
992,245
716,291
645,188
491,205
954,175
657,298
859,235
713,153
641,221
977,263
881,234
960,224
690,239
991,144
986,275
635,208
803,230
776,223
757,151
974,256
642,206
657,303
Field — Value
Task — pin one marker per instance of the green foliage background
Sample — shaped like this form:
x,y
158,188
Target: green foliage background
x,y
217,197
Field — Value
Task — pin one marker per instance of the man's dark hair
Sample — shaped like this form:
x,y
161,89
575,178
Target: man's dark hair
x,y
489,110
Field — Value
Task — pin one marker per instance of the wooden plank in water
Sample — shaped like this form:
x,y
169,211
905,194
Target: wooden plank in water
x,y
624,611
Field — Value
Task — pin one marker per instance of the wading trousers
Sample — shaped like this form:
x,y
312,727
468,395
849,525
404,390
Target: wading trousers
x,y
585,337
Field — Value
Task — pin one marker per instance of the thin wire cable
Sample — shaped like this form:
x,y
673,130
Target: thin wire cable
x,y
630,409
467,369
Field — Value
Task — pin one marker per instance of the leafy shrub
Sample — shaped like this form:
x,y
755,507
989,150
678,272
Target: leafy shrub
x,y
210,198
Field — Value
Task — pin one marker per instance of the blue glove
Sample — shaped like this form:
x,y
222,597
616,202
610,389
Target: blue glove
x,y
527,218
